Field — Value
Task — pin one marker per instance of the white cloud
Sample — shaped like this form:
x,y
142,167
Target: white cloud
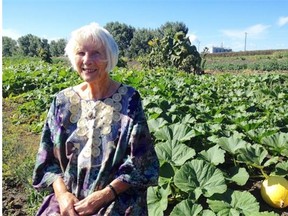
x,y
283,21
253,31
11,33
192,37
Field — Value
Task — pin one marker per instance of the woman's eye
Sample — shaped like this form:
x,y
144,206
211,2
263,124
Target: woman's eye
x,y
96,53
80,53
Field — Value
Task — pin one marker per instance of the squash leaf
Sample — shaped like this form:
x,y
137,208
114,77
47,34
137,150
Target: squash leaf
x,y
214,155
198,177
155,124
175,133
253,155
186,208
239,175
232,144
277,142
175,154
240,203
281,169
157,199
207,212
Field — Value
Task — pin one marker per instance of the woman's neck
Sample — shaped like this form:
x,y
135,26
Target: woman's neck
x,y
98,90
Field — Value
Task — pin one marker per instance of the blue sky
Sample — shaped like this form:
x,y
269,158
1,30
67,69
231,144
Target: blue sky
x,y
210,22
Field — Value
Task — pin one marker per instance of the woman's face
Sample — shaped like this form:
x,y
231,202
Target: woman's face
x,y
91,61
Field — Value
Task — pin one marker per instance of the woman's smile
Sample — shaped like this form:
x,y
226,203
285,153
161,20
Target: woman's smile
x,y
88,71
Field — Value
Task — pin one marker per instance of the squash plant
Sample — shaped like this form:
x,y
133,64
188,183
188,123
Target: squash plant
x,y
214,136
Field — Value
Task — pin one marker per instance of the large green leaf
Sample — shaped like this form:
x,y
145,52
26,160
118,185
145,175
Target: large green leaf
x,y
175,133
239,175
245,201
281,169
186,208
278,142
259,133
207,212
157,199
156,124
253,155
176,154
214,155
231,144
198,177
240,203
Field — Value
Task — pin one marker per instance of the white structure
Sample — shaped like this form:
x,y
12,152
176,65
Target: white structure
x,y
219,50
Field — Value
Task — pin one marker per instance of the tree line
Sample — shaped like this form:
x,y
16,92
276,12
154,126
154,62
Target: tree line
x,y
132,42
167,45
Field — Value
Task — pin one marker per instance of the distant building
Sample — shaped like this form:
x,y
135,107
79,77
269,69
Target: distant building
x,y
219,50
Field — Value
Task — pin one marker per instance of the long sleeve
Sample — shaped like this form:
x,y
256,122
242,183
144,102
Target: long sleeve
x,y
141,166
47,167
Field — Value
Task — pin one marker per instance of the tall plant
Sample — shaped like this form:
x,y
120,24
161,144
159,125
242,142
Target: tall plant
x,y
175,51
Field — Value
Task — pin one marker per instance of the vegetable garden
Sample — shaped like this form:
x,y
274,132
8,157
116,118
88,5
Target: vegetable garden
x,y
216,136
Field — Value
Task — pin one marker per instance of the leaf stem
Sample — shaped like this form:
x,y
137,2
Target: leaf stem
x,y
264,174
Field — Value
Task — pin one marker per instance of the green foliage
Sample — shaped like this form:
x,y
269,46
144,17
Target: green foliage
x,y
235,203
210,132
139,43
122,34
171,28
225,120
57,47
34,83
45,55
29,45
9,46
175,52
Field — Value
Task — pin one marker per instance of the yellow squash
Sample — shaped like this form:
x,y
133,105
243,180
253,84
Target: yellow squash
x,y
274,191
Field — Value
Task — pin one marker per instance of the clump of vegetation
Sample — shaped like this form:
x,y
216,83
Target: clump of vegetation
x,y
175,52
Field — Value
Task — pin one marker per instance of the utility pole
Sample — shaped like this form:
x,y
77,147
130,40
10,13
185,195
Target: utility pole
x,y
245,41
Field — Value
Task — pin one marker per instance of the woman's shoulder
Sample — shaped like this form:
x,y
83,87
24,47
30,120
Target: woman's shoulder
x,y
64,92
66,96
128,90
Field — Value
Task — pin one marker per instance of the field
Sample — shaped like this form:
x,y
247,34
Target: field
x,y
216,135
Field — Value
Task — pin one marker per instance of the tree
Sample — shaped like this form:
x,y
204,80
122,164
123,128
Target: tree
x,y
29,45
122,34
175,51
57,48
171,28
44,51
139,43
9,46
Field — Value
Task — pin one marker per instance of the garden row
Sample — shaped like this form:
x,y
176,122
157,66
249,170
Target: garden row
x,y
251,61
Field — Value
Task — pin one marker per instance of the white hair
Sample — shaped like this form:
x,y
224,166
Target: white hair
x,y
99,35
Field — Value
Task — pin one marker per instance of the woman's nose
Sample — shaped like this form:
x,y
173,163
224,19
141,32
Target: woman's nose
x,y
87,58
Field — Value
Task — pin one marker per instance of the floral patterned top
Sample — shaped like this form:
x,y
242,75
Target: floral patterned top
x,y
91,142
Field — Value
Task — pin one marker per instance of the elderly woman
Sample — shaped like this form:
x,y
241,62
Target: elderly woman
x,y
96,152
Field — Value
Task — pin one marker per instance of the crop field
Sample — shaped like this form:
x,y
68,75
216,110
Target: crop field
x,y
217,136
